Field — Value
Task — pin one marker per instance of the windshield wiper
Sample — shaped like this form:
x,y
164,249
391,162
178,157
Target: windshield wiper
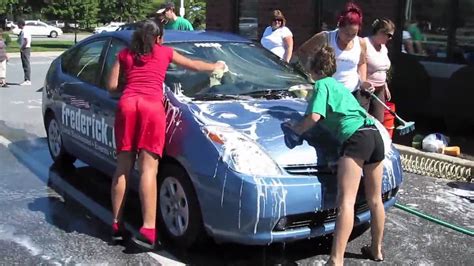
x,y
270,93
216,97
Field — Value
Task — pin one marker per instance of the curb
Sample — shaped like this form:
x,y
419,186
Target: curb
x,y
37,54
435,164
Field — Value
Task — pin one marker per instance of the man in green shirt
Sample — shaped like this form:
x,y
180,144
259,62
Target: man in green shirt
x,y
171,20
416,36
362,151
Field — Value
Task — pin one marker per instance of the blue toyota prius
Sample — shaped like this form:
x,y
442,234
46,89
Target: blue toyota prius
x,y
226,170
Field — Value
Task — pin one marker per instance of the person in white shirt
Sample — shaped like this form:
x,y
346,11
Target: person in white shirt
x,y
278,38
349,48
378,64
24,40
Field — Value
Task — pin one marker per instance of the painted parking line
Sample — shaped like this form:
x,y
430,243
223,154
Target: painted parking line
x,y
42,171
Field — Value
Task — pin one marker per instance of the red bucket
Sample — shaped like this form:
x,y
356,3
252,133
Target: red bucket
x,y
389,119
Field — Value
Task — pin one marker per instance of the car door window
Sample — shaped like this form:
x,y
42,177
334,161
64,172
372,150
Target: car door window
x,y
84,62
115,47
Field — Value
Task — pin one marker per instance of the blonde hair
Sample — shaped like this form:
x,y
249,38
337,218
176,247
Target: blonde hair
x,y
383,24
277,14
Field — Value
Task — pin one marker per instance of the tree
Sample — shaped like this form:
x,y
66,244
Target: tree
x,y
6,6
82,11
195,11
133,10
124,10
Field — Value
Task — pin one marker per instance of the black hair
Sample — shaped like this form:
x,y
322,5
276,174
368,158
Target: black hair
x,y
21,22
144,37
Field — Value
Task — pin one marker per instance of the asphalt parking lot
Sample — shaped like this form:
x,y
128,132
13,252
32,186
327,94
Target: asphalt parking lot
x,y
60,216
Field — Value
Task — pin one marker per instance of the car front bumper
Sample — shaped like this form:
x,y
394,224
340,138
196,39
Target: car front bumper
x,y
262,210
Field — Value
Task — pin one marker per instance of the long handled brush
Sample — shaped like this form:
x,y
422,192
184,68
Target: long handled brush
x,y
404,127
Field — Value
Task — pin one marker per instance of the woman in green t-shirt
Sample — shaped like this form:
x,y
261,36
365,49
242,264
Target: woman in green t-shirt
x,y
362,150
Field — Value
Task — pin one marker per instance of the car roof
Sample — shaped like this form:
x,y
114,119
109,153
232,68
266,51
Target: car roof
x,y
173,36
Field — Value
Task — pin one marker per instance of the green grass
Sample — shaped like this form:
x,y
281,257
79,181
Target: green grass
x,y
42,46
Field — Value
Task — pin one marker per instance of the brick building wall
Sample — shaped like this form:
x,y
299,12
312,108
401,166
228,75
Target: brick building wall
x,y
221,15
302,15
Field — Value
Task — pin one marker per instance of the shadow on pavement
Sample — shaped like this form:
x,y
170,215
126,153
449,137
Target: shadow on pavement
x,y
96,186
71,216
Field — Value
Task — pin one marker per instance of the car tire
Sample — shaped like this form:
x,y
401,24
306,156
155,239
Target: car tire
x,y
179,214
53,34
55,143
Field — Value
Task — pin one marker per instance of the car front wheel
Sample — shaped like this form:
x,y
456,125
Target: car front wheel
x,y
178,211
55,142
53,34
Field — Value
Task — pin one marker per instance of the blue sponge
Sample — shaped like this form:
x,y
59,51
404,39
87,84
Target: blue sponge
x,y
291,138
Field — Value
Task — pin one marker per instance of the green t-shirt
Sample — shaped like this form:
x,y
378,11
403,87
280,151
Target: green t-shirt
x,y
341,112
179,24
415,32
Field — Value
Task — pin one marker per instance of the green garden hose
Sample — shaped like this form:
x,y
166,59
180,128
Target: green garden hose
x,y
435,220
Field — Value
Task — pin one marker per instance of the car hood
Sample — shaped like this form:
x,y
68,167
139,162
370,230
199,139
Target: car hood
x,y
261,121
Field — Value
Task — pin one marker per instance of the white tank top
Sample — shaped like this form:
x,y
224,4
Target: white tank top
x,y
378,64
346,62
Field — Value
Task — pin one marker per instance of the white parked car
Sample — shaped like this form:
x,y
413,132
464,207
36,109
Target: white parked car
x,y
112,26
9,24
39,28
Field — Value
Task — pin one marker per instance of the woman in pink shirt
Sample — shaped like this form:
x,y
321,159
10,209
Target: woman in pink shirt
x,y
378,65
140,121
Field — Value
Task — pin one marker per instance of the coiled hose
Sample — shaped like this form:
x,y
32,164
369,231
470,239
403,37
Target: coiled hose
x,y
437,168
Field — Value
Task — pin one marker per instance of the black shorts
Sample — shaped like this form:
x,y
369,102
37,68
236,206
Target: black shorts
x,y
365,144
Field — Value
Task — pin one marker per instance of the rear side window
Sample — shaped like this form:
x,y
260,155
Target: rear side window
x,y
84,62
115,47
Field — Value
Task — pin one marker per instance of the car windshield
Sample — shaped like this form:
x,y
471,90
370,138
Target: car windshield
x,y
252,71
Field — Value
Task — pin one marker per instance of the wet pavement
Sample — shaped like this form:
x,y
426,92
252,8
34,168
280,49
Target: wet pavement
x,y
66,210
40,226
53,215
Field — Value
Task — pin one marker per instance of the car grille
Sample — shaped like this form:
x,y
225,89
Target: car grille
x,y
310,169
316,219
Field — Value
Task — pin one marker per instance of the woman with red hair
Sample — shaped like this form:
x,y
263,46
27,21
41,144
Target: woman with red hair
x,y
351,71
349,48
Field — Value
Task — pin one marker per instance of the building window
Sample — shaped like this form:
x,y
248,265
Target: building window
x,y
463,51
425,32
248,19
331,9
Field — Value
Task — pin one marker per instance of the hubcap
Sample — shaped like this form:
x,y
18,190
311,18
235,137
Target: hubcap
x,y
54,138
174,206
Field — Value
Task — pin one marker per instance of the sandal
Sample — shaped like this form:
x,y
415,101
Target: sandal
x,y
366,252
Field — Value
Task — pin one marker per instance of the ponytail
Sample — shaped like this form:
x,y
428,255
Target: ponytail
x,y
352,15
144,38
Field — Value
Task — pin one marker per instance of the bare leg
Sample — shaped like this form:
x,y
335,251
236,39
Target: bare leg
x,y
148,164
373,193
348,179
125,162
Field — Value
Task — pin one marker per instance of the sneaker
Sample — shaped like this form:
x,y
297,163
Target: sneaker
x,y
25,83
117,232
4,85
145,238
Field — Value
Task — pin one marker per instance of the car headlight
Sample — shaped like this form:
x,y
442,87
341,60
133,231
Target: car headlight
x,y
241,153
